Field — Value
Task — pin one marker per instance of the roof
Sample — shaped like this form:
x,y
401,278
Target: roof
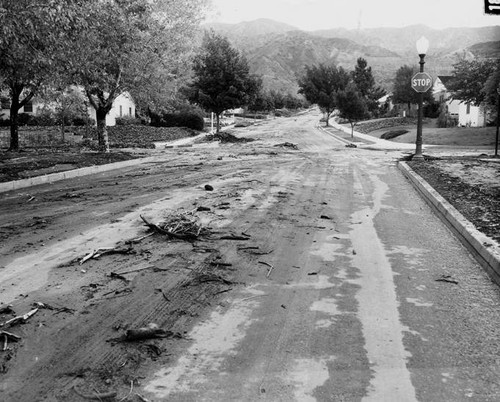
x,y
445,78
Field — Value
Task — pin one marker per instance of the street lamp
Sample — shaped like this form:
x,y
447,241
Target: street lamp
x,y
422,47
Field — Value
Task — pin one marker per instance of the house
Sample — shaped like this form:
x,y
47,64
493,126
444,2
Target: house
x,y
471,116
466,114
30,108
123,106
441,94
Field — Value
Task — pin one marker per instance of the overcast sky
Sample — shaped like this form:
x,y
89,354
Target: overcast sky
x,y
323,14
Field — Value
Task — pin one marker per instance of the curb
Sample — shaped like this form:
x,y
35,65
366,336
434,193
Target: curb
x,y
469,236
178,146
68,174
343,140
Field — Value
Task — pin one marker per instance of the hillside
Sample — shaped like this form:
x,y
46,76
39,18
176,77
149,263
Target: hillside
x,y
279,52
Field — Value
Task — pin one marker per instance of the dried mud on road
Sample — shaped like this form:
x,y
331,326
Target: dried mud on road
x,y
105,276
97,280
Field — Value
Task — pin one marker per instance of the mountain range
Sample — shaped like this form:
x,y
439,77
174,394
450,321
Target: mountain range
x,y
279,52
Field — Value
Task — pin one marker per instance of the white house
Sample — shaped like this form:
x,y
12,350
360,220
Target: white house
x,y
123,106
466,114
471,116
442,95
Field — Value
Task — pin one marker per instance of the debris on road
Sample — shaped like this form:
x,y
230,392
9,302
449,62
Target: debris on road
x,y
244,236
96,396
270,268
8,336
203,278
114,275
6,309
20,318
106,250
351,145
179,226
150,332
446,278
325,217
208,187
287,145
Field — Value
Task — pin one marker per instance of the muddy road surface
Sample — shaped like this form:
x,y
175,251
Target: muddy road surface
x,y
312,274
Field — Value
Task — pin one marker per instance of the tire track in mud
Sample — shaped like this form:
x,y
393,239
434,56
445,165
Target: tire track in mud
x,y
82,351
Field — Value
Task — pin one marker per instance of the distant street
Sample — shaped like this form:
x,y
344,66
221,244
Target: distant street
x,y
346,288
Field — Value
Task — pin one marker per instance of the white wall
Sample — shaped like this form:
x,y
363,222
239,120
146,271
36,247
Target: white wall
x,y
123,106
474,118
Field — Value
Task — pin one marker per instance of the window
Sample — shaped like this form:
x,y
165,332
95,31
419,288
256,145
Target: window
x,y
121,110
28,108
5,103
468,108
130,111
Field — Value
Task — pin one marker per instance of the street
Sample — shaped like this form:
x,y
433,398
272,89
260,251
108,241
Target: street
x,y
339,284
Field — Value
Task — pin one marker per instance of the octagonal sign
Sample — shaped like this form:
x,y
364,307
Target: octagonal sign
x,y
421,82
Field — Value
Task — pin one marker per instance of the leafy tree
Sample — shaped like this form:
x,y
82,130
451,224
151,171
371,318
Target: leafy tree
x,y
365,82
30,46
402,90
261,102
222,78
130,45
491,89
320,85
469,79
277,99
362,76
352,105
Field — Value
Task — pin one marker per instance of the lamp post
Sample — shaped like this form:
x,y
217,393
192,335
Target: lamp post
x,y
422,47
498,121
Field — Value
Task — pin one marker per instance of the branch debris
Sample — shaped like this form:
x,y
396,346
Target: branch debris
x,y
106,250
182,226
20,318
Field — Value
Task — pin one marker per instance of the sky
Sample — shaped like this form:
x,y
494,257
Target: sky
x,y
311,15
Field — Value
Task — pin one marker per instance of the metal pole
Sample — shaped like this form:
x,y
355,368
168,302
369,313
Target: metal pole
x,y
498,124
418,142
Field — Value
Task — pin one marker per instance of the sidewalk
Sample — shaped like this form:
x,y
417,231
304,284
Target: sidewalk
x,y
371,142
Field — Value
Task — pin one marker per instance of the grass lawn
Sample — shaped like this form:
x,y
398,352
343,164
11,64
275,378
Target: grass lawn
x,y
462,136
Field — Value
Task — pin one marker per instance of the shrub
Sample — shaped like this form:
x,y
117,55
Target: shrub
x,y
83,121
282,113
25,119
193,121
4,122
393,134
45,119
127,120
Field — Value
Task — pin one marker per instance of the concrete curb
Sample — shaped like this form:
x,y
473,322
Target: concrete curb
x,y
475,241
340,139
68,174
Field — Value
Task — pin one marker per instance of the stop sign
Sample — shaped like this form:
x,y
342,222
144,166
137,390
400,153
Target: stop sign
x,y
421,82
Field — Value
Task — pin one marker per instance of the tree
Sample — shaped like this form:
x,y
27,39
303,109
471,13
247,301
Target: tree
x,y
363,78
30,47
352,105
491,89
222,78
320,85
402,90
261,102
130,46
469,79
